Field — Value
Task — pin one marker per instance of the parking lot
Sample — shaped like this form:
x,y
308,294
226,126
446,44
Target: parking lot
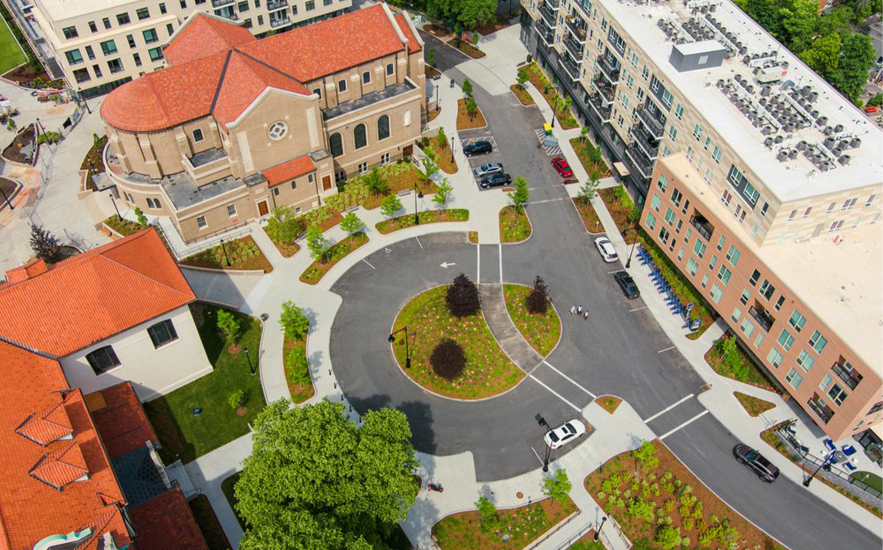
x,y
478,160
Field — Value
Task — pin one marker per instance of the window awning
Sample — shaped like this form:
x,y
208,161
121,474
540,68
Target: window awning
x,y
621,169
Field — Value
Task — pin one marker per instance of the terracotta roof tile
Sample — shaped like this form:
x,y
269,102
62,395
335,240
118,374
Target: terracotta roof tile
x,y
46,426
204,34
166,523
289,170
64,464
120,419
413,44
93,296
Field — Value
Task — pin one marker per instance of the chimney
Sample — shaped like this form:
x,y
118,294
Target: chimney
x,y
27,271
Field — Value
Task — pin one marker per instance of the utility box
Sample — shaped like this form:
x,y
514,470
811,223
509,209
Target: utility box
x,y
693,56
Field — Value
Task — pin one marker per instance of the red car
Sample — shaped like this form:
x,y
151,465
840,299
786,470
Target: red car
x,y
560,165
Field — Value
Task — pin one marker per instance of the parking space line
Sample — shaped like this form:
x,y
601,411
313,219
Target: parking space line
x,y
685,424
612,272
556,394
369,265
637,309
418,242
547,200
500,245
478,275
665,410
571,380
666,349
537,454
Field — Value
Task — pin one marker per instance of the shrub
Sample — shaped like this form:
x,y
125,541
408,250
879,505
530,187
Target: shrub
x,y
448,359
668,488
705,539
521,195
668,505
641,509
668,537
375,182
317,243
229,326
646,455
488,512
293,321
467,87
697,510
557,486
462,297
49,137
351,223
687,523
236,399
684,510
139,215
44,245
296,361
538,299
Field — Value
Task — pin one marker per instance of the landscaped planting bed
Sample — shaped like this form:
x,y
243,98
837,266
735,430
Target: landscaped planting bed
x,y
431,216
473,237
754,406
94,161
666,507
736,364
185,436
208,523
539,80
609,403
339,251
10,53
588,214
466,122
297,370
443,157
464,46
590,157
123,226
619,206
524,525
541,331
522,94
243,254
488,370
286,249
514,225
9,188
489,28
23,148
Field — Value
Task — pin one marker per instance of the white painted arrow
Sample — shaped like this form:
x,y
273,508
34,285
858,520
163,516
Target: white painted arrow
x,y
446,265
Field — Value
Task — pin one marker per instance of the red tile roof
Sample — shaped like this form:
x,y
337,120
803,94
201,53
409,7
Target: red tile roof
x,y
202,81
120,419
93,296
166,523
413,44
46,426
289,170
204,34
31,509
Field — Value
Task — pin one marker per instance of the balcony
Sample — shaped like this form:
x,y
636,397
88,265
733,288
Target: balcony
x,y
642,164
849,376
646,143
280,22
762,316
549,15
823,411
227,13
546,35
608,69
222,3
702,226
605,89
578,32
274,5
602,110
575,49
569,67
653,125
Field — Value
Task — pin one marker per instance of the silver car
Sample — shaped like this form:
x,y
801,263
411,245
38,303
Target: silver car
x,y
487,169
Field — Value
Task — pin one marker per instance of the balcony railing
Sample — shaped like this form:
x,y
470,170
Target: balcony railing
x,y
702,226
575,49
604,89
578,32
602,110
570,67
646,142
549,15
610,71
547,35
762,316
643,166
653,125
222,3
276,23
849,377
824,413
274,5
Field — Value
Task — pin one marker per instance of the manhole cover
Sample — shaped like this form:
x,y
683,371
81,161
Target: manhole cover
x,y
519,495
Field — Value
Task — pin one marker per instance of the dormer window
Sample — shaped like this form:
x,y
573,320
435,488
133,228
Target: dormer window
x,y
197,135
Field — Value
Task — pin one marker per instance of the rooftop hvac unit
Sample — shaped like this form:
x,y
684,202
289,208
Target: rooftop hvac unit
x,y
768,142
829,142
779,139
838,128
814,113
844,144
855,142
766,90
792,154
814,95
782,156
844,159
837,151
822,120
828,131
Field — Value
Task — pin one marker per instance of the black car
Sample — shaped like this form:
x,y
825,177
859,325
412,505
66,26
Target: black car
x,y
627,284
495,180
481,147
756,462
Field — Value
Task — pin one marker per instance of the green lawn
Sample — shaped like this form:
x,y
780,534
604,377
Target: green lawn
x,y
514,225
871,479
227,488
540,331
11,55
185,436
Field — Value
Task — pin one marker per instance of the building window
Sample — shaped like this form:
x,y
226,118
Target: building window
x,y
82,75
340,177
794,379
704,282
197,135
311,5
669,217
390,69
231,209
692,266
679,111
183,4
123,19
90,52
275,191
131,40
826,382
244,6
746,295
651,220
737,313
849,204
341,85
201,223
155,54
716,154
767,289
150,36
805,360
97,70
733,255
115,66
726,197
70,32
699,248
142,13
366,77
747,328
162,8
137,59
775,358
383,127
384,158
277,130
260,20
835,226
786,340
797,320
73,57
109,47
656,202
672,132
170,29
662,182
335,143
106,22
162,333
724,275
716,293
363,168
248,24
102,360
92,26
360,136
818,342
837,394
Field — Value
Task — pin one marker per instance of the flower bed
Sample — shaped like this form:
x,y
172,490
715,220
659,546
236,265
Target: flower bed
x,y
588,214
94,161
609,403
243,254
525,524
297,370
473,237
431,216
668,502
522,94
754,406
514,225
565,118
339,251
464,121
541,331
488,370
123,226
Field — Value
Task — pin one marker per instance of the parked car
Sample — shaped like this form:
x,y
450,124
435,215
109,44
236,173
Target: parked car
x,y
565,433
488,169
605,247
495,180
562,167
627,284
756,462
481,147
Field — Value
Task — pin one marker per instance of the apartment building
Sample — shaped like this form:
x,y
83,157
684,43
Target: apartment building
x,y
99,44
236,126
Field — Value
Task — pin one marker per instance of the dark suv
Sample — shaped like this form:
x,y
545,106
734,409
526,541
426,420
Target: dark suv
x,y
481,147
627,284
495,180
756,462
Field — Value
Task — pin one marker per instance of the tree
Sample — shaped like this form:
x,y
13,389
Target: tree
x,y
646,455
443,194
430,57
390,205
447,359
471,108
285,226
488,513
568,101
538,299
521,77
298,492
441,139
462,297
236,399
139,215
465,14
45,245
857,58
229,326
557,486
351,223
668,537
824,55
293,321
317,243
467,87
522,193
375,182
876,101
584,134
430,167
589,190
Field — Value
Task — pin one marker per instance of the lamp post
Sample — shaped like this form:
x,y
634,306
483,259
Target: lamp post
x,y
392,339
452,148
542,422
418,194
824,463
120,218
225,252
6,199
598,532
634,228
248,358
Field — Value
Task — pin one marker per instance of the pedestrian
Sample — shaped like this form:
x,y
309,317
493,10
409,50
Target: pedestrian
x,y
579,310
586,315
572,310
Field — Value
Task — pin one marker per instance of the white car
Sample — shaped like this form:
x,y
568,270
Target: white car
x,y
565,433
488,169
605,247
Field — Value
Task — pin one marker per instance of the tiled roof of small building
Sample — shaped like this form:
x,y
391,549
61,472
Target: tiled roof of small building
x,y
204,34
120,419
165,522
289,170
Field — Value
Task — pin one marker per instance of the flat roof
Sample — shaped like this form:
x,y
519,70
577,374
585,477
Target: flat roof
x,y
64,9
838,276
792,179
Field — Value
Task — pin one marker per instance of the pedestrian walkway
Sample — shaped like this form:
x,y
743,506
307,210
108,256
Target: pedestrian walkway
x,y
513,344
227,288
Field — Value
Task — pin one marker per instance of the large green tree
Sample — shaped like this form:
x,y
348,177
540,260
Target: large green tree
x,y
316,481
856,58
469,13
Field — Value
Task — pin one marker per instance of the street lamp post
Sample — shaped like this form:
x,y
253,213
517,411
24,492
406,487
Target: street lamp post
x,y
542,422
824,463
248,358
628,262
392,339
452,148
598,532
120,218
224,247
11,208
418,194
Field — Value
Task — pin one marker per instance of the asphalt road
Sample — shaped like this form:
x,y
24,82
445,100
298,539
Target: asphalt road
x,y
620,350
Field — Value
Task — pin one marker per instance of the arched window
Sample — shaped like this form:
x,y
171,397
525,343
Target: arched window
x,y
360,136
383,127
336,143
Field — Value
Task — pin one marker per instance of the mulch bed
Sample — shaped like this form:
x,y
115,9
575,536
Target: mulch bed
x,y
123,226
24,73
208,523
581,148
753,374
514,225
443,157
244,254
313,274
619,211
466,48
473,237
522,94
9,189
588,214
300,383
432,216
431,72
432,115
439,32
94,161
541,331
464,121
23,140
286,249
538,79
754,406
609,403
497,25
